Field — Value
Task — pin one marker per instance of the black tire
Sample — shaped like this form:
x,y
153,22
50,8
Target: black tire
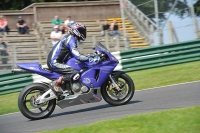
x,y
24,108
131,89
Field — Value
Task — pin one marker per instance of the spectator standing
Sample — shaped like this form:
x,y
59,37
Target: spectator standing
x,y
68,21
3,25
55,35
21,26
65,32
56,21
105,27
115,29
3,52
62,29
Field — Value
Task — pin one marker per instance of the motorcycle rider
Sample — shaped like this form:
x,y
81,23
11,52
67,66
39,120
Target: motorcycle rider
x,y
65,49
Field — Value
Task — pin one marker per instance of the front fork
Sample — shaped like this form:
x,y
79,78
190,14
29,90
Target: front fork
x,y
114,83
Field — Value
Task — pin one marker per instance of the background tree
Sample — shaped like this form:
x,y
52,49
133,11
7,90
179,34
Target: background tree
x,y
164,6
20,4
197,8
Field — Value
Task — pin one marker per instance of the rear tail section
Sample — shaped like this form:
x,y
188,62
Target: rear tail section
x,y
19,70
36,68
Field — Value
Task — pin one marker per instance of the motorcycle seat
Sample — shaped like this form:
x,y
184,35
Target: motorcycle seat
x,y
45,67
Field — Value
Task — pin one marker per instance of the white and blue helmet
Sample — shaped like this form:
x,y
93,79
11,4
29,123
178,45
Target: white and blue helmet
x,y
79,30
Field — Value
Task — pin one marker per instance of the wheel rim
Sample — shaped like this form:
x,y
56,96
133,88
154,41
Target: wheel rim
x,y
29,102
123,92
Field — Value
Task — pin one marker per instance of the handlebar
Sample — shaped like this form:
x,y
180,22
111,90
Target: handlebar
x,y
97,57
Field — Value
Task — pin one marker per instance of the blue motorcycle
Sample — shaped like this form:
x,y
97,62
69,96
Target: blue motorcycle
x,y
98,79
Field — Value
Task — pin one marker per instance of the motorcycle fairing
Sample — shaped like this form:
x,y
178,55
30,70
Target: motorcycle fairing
x,y
93,96
94,77
35,67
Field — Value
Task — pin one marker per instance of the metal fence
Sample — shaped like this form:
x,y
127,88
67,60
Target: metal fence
x,y
27,52
8,62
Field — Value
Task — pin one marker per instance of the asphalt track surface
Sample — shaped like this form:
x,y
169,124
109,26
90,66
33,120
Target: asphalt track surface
x,y
151,100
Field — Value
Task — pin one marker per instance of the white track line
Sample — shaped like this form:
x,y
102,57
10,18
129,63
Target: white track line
x,y
169,85
136,90
9,114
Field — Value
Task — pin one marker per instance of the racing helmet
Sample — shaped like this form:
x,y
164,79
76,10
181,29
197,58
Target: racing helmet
x,y
79,30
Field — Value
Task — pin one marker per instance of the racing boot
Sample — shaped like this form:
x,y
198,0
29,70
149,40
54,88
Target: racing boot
x,y
62,79
56,85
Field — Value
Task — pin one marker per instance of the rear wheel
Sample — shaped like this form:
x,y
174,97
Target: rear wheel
x,y
27,106
118,97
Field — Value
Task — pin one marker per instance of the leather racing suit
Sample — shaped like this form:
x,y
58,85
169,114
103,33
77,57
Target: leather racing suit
x,y
65,49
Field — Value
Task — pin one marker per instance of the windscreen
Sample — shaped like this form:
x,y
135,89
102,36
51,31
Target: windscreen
x,y
101,46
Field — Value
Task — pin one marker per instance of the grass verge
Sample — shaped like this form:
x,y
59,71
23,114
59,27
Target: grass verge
x,y
143,79
167,75
185,120
8,103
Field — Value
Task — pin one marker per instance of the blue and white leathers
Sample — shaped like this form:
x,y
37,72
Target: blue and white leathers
x,y
65,49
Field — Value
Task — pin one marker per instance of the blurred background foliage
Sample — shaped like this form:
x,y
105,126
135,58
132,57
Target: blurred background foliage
x,y
148,8
20,4
181,9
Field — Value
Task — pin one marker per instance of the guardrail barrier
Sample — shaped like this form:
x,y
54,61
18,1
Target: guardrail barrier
x,y
130,60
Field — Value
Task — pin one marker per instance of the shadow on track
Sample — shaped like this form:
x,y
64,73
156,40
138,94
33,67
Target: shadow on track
x,y
90,109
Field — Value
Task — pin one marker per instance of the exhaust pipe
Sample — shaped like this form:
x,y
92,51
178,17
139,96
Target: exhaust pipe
x,y
18,70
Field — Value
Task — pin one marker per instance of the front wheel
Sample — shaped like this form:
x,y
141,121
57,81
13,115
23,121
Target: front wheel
x,y
27,106
121,96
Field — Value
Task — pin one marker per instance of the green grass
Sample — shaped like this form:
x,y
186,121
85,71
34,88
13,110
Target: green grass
x,y
168,75
143,79
185,120
8,103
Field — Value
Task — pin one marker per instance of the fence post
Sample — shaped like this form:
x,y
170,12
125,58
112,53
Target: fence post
x,y
159,31
14,56
170,32
94,40
117,43
39,52
106,37
194,19
122,6
198,31
152,35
